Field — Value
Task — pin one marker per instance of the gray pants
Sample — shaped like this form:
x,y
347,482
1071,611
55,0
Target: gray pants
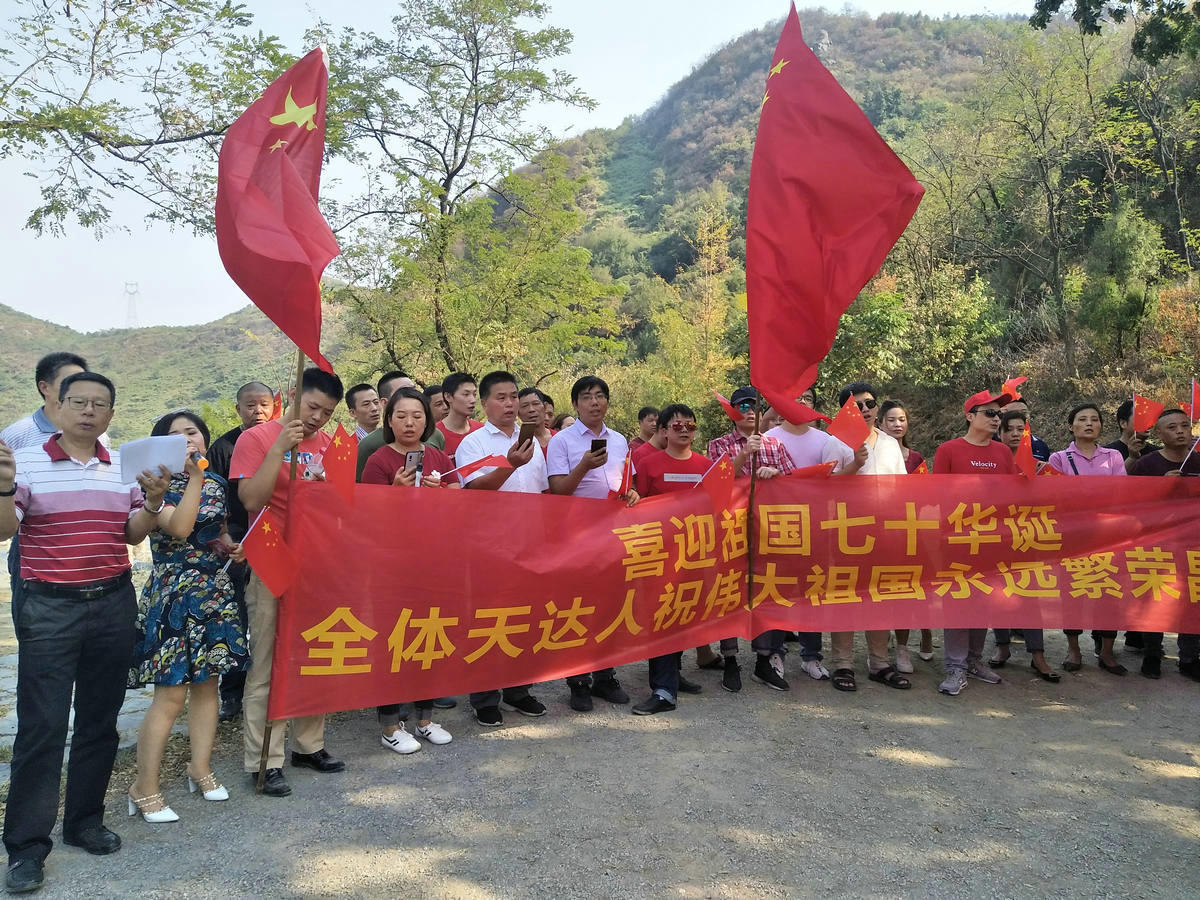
x,y
486,699
962,647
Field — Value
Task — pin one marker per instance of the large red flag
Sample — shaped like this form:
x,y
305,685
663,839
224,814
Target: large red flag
x,y
272,238
828,199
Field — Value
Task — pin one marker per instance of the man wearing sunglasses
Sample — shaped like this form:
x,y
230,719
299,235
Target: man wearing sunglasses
x,y
975,453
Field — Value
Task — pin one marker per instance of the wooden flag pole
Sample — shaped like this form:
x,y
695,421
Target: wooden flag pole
x,y
751,531
293,413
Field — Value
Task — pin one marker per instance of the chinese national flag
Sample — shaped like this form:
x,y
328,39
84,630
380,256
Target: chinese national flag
x,y
341,460
922,469
849,426
277,409
820,470
718,482
500,462
734,415
828,199
269,556
1010,386
272,238
1023,459
1049,470
1192,406
626,477
1145,413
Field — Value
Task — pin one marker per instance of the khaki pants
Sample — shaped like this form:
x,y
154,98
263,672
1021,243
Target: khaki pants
x,y
308,732
842,654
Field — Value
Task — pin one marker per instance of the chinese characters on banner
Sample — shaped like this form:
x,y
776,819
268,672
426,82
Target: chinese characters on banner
x,y
411,594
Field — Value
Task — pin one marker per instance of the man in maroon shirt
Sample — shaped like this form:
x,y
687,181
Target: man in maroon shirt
x,y
976,453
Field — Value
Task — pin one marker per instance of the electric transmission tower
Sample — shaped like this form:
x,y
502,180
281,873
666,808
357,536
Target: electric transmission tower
x,y
131,294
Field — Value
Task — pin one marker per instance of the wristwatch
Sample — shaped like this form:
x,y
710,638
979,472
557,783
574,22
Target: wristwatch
x,y
10,492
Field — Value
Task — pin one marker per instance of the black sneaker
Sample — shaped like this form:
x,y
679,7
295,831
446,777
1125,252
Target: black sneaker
x,y
526,706
24,875
1152,667
489,716
689,687
1190,669
652,706
731,680
581,698
764,673
610,689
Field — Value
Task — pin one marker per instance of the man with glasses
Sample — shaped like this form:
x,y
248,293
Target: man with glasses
x,y
976,453
75,624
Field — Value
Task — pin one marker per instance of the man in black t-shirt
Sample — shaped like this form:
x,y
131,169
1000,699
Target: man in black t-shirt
x,y
1131,445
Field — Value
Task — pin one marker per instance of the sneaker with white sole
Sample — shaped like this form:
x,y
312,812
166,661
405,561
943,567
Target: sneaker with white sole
x,y
983,673
434,733
904,663
400,741
956,680
815,670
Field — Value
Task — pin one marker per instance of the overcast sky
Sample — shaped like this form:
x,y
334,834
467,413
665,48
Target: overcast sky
x,y
626,54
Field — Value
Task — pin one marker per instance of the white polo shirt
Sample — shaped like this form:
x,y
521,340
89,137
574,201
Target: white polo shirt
x,y
567,448
491,441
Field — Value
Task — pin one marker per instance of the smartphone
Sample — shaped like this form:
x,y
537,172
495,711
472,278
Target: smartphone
x,y
599,445
528,431
414,459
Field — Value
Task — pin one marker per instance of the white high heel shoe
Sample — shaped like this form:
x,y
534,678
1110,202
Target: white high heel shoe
x,y
154,817
209,787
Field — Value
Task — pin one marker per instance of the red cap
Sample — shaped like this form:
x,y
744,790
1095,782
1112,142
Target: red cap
x,y
983,398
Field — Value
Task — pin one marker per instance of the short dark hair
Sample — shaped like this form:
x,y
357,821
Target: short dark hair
x,y
51,364
455,380
526,391
647,411
162,427
886,407
667,413
407,393
94,377
1125,412
557,423
546,398
855,387
433,389
389,376
586,383
352,394
253,386
491,379
1009,416
319,380
1162,415
1080,408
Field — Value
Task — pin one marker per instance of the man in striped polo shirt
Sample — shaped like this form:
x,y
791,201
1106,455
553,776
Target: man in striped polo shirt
x,y
75,622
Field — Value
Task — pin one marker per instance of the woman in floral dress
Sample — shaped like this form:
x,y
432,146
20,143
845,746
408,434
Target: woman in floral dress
x,y
190,628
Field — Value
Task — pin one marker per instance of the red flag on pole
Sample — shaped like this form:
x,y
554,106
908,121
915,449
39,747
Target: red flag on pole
x,y
828,200
820,470
269,556
1023,458
341,461
272,238
1010,387
922,469
1145,413
849,426
734,415
277,409
500,462
717,482
626,478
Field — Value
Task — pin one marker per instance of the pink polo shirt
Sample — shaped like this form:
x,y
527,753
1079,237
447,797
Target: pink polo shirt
x,y
1103,462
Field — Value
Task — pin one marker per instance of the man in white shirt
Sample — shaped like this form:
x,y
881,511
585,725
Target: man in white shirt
x,y
499,437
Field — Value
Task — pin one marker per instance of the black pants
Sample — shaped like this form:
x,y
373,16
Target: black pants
x,y
234,683
14,576
62,644
589,678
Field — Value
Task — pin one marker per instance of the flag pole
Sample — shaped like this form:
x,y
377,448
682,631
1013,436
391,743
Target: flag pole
x,y
752,542
293,413
1189,455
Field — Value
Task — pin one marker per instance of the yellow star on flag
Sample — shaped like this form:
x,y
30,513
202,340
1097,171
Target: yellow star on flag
x,y
337,440
266,528
294,114
777,68
278,145
766,97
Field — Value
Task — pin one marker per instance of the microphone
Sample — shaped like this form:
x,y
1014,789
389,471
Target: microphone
x,y
200,460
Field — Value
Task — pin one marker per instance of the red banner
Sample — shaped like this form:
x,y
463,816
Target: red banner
x,y
410,594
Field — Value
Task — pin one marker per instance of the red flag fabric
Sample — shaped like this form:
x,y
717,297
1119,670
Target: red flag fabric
x,y
269,556
828,199
277,409
1145,413
272,238
498,461
718,482
1011,385
849,426
1023,459
341,461
1192,406
734,415
922,469
1049,470
820,470
626,478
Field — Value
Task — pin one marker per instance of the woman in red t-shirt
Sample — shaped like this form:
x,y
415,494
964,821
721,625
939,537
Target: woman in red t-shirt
x,y
407,423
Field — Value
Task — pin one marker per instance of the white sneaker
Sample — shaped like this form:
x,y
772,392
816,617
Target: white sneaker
x,y
434,733
400,741
956,680
815,670
984,673
777,664
904,663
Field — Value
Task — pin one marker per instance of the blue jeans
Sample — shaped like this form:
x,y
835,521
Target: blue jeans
x,y
664,675
772,642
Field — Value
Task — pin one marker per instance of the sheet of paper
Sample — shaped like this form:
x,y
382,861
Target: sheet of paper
x,y
149,453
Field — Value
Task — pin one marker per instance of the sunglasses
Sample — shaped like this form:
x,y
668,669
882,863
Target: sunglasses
x,y
689,427
745,405
864,405
990,413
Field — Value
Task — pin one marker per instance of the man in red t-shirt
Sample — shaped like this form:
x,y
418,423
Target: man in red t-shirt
x,y
461,393
260,470
677,468
976,453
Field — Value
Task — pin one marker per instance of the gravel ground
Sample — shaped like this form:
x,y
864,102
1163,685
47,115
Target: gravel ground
x,y
1086,788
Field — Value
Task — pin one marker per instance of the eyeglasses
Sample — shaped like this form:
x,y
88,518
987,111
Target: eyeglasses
x,y
689,427
78,403
990,413
864,405
745,405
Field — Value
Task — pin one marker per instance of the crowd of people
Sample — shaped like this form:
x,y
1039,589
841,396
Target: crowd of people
x,y
202,632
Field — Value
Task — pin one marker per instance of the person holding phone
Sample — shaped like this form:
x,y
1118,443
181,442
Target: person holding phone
x,y
500,436
587,460
405,460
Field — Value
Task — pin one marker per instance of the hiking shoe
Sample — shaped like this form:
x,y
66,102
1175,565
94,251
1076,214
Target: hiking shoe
x,y
815,670
983,673
764,673
731,678
610,689
581,698
526,706
956,680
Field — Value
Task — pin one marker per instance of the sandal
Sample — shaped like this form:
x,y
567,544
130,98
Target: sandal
x,y
891,678
843,679
1052,677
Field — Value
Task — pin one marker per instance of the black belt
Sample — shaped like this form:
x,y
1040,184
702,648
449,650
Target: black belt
x,y
93,591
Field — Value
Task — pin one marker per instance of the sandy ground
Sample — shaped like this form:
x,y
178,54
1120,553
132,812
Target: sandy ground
x,y
1087,788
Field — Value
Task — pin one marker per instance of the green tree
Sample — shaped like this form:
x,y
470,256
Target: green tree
x,y
1123,272
1163,28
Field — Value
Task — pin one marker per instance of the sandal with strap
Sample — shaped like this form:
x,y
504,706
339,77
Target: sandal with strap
x,y
891,678
209,787
159,812
843,680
